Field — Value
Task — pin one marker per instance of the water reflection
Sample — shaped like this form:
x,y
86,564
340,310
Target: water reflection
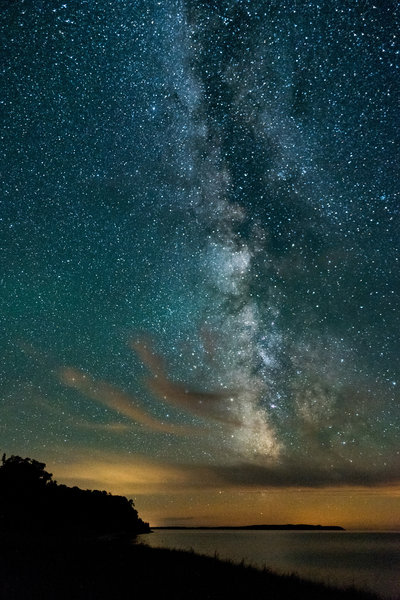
x,y
368,560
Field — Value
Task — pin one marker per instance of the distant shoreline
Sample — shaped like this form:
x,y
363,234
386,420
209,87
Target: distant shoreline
x,y
289,527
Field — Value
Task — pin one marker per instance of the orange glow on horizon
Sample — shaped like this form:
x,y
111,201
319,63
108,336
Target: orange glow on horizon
x,y
170,495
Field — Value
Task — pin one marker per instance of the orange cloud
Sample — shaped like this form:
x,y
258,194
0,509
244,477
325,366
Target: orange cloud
x,y
121,475
209,405
116,399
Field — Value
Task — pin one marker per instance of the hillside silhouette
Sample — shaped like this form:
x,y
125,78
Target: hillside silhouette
x,y
30,500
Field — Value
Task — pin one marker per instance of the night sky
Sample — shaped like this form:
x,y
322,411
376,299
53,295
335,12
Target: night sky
x,y
199,254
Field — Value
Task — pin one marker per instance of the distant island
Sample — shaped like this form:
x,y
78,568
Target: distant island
x,y
289,527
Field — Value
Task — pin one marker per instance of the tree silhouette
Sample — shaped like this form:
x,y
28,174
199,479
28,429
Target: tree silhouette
x,y
31,499
17,471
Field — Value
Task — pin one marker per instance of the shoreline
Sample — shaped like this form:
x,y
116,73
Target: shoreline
x,y
76,568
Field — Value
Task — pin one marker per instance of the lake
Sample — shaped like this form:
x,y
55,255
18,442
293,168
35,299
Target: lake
x,y
367,560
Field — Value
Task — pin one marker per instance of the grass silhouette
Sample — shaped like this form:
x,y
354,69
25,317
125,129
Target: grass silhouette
x,y
36,567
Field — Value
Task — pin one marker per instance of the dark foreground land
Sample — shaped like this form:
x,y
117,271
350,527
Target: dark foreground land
x,y
55,567
55,545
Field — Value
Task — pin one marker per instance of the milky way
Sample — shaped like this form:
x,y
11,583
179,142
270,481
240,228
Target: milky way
x,y
200,224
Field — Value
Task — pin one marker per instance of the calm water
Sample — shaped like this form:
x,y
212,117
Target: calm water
x,y
368,560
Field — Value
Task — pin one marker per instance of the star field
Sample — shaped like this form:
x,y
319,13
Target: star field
x,y
200,232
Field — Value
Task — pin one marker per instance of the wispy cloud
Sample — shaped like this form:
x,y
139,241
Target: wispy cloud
x,y
209,405
113,427
116,399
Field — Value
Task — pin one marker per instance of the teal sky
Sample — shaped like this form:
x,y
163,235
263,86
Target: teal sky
x,y
199,232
